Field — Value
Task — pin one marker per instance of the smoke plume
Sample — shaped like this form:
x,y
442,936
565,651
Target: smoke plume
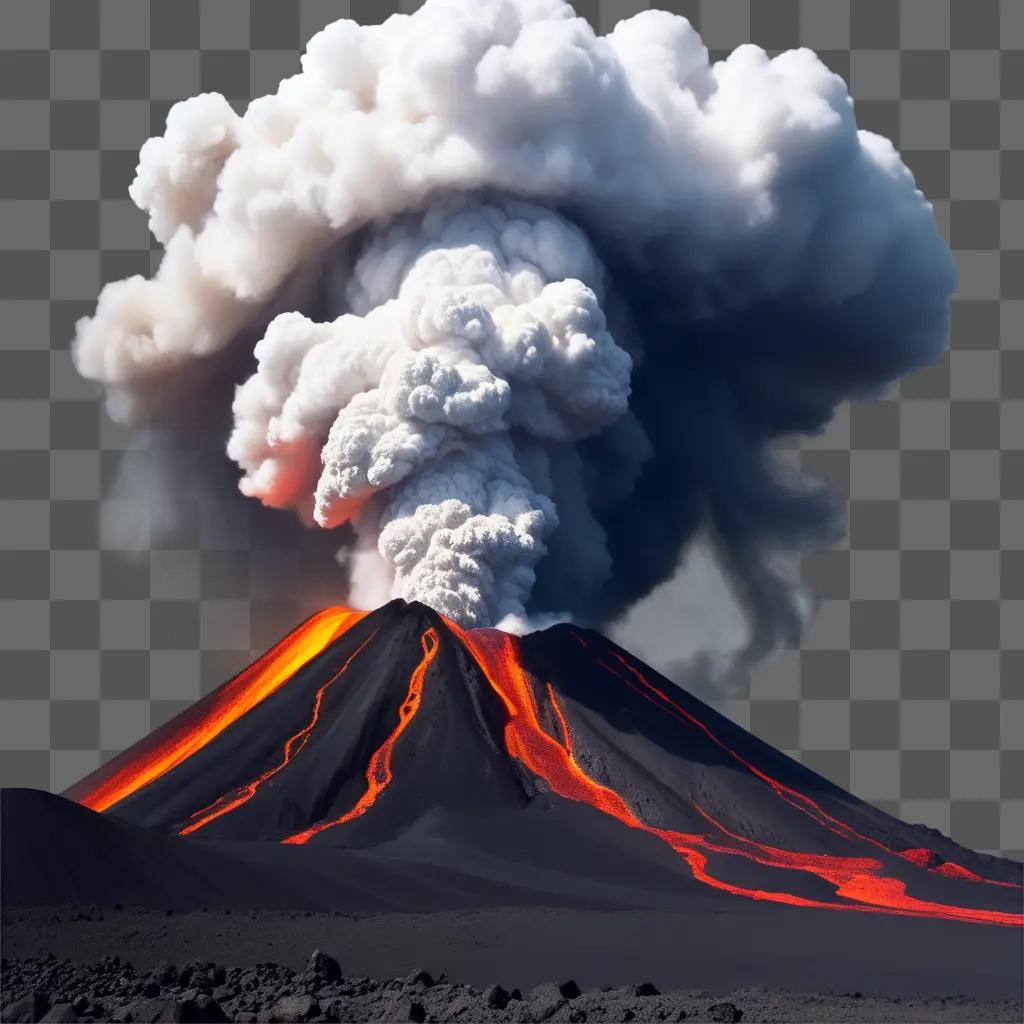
x,y
525,307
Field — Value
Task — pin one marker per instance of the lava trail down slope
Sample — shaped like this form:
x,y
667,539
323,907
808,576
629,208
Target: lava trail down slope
x,y
392,761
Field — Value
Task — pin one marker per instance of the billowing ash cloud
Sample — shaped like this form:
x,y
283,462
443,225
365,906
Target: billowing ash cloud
x,y
532,305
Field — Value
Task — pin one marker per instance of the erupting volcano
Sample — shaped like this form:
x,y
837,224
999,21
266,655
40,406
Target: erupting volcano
x,y
393,760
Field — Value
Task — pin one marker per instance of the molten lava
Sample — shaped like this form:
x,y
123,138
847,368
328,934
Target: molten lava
x,y
920,856
293,746
262,678
856,870
858,879
378,774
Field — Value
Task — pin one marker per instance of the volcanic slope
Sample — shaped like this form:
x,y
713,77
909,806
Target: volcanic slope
x,y
391,761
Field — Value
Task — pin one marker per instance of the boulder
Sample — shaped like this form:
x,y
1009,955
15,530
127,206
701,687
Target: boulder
x,y
419,979
292,1009
323,966
728,1013
60,1013
202,1009
546,1000
160,1010
496,997
27,1010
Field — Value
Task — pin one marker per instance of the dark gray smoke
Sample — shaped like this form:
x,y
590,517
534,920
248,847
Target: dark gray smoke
x,y
533,306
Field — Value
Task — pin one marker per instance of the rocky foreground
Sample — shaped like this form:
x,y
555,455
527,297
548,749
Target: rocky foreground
x,y
52,989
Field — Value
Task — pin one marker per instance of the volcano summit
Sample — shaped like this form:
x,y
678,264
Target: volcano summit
x,y
385,762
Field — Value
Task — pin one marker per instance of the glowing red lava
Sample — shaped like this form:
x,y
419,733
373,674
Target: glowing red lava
x,y
378,774
858,882
857,879
262,678
920,856
293,746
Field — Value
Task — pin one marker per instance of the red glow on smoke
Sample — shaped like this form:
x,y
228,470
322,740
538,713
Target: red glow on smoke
x,y
293,746
378,774
237,697
855,879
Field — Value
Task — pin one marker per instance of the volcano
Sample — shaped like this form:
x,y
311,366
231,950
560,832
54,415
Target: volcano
x,y
391,762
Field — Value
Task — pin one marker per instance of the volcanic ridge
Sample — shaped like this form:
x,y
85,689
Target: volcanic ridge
x,y
393,763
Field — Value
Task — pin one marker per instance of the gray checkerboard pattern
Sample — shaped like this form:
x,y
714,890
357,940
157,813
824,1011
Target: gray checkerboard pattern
x,y
909,687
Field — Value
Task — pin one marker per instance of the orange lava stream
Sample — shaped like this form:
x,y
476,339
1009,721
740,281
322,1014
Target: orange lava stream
x,y
796,799
378,774
921,857
855,878
237,697
293,746
563,724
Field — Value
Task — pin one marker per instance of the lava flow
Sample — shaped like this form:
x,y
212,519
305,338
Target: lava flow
x,y
310,764
858,879
922,857
378,774
231,702
292,747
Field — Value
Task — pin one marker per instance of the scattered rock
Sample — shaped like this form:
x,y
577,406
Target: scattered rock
x,y
165,972
419,979
26,1010
204,1009
546,1000
292,1009
323,966
728,1013
47,989
496,997
161,1010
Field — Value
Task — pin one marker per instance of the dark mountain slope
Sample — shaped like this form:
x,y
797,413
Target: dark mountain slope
x,y
393,762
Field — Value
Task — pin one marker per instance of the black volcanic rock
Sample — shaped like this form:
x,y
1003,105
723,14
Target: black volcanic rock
x,y
496,997
726,1013
323,967
27,1009
464,1003
403,766
546,1000
291,1009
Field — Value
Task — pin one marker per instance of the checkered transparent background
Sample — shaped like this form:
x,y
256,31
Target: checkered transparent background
x,y
908,689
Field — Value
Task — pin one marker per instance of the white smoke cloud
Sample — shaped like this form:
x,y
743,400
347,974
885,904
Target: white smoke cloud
x,y
478,321
518,225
